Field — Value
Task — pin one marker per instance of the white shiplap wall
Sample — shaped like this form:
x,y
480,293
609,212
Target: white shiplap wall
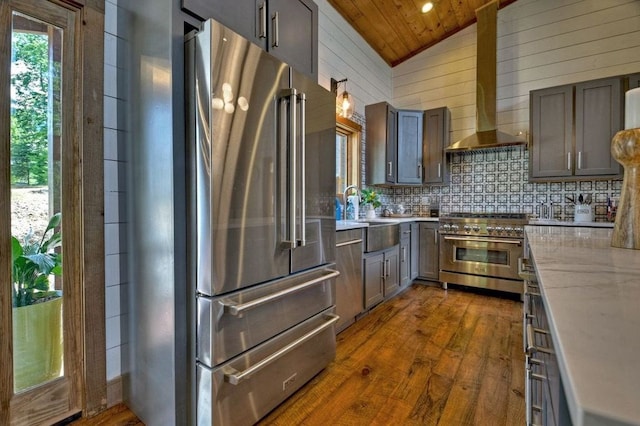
x,y
541,43
342,53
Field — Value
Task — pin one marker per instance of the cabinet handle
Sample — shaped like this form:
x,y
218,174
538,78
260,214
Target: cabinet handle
x,y
420,171
387,267
439,169
390,168
276,33
531,346
404,254
568,161
435,237
579,160
262,33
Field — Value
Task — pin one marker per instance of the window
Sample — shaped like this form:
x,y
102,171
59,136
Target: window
x,y
347,154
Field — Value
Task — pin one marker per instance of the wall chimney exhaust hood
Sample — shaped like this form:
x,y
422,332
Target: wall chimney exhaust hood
x,y
486,135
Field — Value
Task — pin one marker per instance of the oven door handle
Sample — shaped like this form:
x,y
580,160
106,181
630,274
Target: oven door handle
x,y
484,240
233,308
235,377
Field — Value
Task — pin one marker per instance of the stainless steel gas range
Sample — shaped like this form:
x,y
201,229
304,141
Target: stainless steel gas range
x,y
482,250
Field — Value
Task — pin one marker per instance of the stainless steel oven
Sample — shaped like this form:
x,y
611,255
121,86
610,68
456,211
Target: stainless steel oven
x,y
482,250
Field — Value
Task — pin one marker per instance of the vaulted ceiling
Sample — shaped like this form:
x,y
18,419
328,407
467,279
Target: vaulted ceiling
x,y
398,30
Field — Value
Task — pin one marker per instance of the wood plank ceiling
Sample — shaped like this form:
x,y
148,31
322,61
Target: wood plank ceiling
x,y
398,30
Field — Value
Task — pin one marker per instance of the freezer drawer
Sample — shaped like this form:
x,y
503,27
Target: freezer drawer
x,y
246,388
233,323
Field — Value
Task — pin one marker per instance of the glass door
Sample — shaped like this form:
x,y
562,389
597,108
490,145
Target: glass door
x,y
41,213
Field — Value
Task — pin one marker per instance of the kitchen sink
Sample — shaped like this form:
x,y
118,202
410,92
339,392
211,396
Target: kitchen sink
x,y
381,235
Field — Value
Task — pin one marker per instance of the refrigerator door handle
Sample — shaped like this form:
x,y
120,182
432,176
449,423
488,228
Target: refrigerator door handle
x,y
234,376
290,96
233,308
303,170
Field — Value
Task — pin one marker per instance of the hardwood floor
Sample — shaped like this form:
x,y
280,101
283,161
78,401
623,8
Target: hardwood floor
x,y
426,357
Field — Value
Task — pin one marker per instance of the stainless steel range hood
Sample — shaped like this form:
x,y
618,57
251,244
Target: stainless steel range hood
x,y
486,135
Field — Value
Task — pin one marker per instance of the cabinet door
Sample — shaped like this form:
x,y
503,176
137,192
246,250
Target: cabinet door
x,y
246,17
551,132
405,261
392,271
436,138
598,118
391,165
381,143
293,34
429,251
373,279
415,250
410,146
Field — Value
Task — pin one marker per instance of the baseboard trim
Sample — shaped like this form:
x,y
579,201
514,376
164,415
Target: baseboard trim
x,y
114,391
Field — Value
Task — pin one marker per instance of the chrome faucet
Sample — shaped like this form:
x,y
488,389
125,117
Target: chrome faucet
x,y
344,198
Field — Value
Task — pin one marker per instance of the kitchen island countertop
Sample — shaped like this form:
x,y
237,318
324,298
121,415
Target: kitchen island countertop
x,y
592,299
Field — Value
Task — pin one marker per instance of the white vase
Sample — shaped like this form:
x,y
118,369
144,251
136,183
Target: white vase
x,y
370,212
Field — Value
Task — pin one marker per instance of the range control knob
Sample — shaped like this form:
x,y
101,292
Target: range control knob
x,y
518,230
467,228
499,229
489,229
454,227
446,226
476,228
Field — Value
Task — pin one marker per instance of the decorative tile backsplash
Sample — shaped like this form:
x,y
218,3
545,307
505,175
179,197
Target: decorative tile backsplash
x,y
497,181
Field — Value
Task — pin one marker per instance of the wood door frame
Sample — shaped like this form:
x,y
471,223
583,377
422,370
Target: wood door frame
x,y
85,353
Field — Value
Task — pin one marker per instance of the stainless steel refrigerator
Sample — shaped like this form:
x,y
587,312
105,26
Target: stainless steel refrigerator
x,y
262,226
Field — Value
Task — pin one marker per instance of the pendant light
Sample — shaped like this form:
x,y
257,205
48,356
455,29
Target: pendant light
x,y
345,103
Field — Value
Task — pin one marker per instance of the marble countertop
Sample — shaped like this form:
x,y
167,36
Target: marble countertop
x,y
592,298
343,225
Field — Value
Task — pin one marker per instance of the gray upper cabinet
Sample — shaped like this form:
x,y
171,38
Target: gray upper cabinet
x,y
551,132
572,127
633,81
598,118
293,33
394,145
409,147
436,138
287,29
382,143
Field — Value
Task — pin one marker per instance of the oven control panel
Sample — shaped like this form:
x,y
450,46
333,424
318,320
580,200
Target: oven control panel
x,y
476,227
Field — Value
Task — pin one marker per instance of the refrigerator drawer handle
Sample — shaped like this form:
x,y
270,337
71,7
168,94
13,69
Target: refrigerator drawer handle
x,y
235,377
238,308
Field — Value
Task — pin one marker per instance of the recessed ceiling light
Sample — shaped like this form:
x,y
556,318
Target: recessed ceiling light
x,y
427,7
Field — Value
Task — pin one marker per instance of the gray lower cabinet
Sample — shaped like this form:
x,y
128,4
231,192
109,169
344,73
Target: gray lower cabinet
x,y
429,251
381,277
572,127
349,288
415,250
405,255
287,29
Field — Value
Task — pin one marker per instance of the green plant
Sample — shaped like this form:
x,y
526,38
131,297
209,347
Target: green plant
x,y
369,196
33,261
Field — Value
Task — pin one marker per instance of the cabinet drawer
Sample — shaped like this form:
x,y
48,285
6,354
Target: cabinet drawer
x,y
246,388
259,313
